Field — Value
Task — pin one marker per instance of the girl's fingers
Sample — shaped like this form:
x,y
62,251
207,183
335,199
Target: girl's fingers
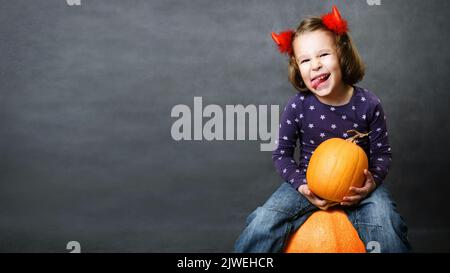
x,y
320,203
303,190
368,174
346,203
352,198
367,184
358,190
333,204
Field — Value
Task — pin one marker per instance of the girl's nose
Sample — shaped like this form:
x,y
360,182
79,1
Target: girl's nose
x,y
316,65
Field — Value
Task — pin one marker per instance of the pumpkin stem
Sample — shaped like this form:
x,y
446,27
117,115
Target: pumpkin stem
x,y
358,135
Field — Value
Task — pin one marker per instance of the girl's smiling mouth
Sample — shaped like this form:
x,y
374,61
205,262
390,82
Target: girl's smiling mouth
x,y
319,80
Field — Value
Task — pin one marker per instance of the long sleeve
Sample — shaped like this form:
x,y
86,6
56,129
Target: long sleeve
x,y
283,155
380,151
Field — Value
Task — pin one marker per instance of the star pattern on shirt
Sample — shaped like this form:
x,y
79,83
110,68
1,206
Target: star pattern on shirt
x,y
311,107
363,116
332,108
344,117
288,121
311,125
333,126
363,99
355,125
322,135
293,105
322,117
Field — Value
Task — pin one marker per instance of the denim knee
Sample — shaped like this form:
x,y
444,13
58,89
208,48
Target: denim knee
x,y
264,219
378,215
266,231
288,200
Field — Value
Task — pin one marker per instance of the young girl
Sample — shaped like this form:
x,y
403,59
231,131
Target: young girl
x,y
324,66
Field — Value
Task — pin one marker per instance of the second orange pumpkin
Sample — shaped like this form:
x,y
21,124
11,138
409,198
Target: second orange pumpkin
x,y
326,231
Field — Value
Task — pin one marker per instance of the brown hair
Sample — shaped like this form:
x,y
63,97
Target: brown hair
x,y
351,64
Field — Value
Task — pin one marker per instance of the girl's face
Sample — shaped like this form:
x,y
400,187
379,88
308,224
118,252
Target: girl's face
x,y
318,61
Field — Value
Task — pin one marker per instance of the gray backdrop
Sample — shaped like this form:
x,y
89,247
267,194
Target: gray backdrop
x,y
86,94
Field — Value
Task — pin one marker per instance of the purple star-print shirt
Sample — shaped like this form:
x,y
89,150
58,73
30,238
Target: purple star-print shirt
x,y
310,121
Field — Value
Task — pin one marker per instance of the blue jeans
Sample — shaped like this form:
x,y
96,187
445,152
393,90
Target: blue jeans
x,y
375,218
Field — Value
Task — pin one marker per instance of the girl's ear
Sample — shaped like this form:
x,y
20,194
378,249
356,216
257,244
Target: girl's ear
x,y
294,63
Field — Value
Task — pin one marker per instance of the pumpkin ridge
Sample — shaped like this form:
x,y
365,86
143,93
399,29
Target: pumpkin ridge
x,y
339,148
342,186
355,167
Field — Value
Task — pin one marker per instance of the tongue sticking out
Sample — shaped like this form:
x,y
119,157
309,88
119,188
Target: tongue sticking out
x,y
316,82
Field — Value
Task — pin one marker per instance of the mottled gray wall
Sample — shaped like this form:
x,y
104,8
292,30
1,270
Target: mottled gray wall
x,y
86,94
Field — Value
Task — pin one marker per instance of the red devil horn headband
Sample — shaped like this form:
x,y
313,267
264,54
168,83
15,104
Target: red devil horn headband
x,y
284,41
333,21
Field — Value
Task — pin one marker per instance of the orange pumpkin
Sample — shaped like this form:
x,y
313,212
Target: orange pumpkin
x,y
335,166
327,231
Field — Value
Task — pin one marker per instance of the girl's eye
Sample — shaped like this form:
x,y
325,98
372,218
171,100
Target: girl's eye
x,y
303,61
324,54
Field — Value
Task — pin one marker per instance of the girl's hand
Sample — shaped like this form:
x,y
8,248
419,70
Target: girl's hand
x,y
314,199
360,193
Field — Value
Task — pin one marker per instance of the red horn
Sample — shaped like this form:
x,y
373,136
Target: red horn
x,y
275,38
284,41
336,14
334,22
